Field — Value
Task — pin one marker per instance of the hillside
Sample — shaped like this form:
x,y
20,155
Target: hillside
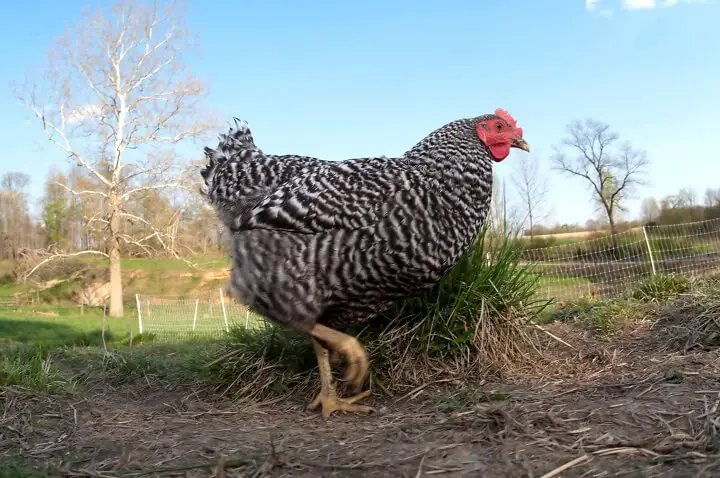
x,y
72,282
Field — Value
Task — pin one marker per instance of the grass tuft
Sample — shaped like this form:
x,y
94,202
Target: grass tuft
x,y
16,466
32,367
269,361
662,287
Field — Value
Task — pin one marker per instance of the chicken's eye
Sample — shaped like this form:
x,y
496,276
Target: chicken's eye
x,y
499,126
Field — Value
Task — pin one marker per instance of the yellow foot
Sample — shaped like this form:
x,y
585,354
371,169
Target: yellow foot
x,y
332,403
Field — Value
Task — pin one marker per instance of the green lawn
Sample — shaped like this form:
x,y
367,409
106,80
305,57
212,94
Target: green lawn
x,y
162,263
562,281
9,288
65,326
57,326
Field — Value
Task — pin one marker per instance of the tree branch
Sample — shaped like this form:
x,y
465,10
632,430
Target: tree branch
x,y
66,146
57,256
80,193
129,193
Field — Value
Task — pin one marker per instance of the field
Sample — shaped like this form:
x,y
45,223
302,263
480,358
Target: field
x,y
622,388
619,377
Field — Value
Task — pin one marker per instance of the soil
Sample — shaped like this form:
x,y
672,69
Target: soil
x,y
645,403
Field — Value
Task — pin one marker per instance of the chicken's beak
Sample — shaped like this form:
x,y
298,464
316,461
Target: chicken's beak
x,y
520,144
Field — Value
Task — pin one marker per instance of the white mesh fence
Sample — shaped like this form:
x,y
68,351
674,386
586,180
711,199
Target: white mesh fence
x,y
172,318
605,266
609,265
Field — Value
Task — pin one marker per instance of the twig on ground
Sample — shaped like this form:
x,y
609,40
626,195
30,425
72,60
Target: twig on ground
x,y
553,336
570,464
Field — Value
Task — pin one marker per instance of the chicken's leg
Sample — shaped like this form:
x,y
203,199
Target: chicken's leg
x,y
348,346
328,396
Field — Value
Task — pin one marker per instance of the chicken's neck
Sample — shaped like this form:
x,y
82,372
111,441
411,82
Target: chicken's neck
x,y
456,164
462,172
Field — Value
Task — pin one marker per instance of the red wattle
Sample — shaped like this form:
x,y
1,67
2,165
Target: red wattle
x,y
499,151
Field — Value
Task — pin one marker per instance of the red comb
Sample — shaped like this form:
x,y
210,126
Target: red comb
x,y
506,116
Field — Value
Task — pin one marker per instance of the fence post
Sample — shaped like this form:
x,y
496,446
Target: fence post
x,y
139,308
650,253
247,317
222,304
197,303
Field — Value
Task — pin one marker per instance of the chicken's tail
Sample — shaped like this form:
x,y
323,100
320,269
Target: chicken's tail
x,y
234,145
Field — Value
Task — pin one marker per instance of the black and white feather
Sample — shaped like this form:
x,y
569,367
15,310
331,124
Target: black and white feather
x,y
336,242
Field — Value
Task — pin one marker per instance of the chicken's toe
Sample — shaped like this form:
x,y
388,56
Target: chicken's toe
x,y
331,403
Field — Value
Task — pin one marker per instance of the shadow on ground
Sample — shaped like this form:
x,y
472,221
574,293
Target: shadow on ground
x,y
45,332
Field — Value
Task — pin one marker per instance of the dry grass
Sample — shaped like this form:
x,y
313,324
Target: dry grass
x,y
647,427
643,400
495,347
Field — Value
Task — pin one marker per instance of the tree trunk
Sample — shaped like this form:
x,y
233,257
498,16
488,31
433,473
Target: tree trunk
x,y
616,244
531,228
116,291
611,220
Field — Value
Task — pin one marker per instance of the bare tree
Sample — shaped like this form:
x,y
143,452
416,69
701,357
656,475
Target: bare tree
x,y
532,188
502,217
649,210
15,228
114,93
686,197
612,171
712,197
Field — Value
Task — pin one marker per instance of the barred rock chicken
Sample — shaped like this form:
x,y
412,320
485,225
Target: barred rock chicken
x,y
318,246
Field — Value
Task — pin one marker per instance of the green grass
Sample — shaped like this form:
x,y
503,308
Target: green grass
x,y
170,365
16,466
34,367
62,351
159,263
71,370
550,281
606,316
649,298
662,287
56,326
8,288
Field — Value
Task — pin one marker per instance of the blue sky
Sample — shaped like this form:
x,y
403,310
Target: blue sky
x,y
349,79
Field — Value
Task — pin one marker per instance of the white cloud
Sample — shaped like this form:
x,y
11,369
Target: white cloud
x,y
592,6
636,5
639,4
650,4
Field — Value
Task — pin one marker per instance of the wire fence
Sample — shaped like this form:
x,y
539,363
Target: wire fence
x,y
603,266
172,318
609,265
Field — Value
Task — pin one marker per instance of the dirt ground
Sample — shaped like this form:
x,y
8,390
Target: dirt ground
x,y
644,404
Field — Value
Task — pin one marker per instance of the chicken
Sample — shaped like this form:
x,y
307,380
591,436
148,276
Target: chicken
x,y
318,246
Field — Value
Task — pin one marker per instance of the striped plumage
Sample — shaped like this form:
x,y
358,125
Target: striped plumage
x,y
332,243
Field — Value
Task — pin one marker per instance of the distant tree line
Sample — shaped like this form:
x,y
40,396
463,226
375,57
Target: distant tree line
x,y
684,206
71,223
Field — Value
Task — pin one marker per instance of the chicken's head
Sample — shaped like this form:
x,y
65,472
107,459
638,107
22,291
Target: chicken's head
x,y
499,132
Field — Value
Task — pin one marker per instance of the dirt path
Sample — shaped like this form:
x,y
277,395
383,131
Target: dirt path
x,y
643,407
655,428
